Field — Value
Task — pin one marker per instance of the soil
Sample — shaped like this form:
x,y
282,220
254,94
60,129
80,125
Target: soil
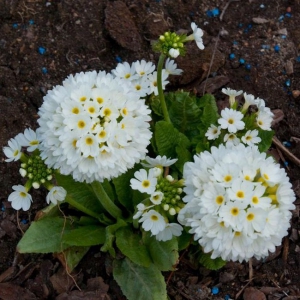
x,y
42,42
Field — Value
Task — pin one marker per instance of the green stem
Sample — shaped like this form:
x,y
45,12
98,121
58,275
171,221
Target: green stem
x,y
160,89
106,202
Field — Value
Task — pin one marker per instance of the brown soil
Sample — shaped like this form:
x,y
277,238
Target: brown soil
x,y
95,35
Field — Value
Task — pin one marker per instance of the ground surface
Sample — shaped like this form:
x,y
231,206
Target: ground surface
x,y
95,35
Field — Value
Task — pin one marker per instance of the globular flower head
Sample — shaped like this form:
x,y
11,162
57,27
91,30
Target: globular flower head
x,y
234,196
94,126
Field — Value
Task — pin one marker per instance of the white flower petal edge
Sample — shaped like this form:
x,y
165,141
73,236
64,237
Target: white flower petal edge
x,y
57,193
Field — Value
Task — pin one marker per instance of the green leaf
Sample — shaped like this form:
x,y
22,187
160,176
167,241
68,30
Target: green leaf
x,y
166,138
266,139
80,195
163,254
110,236
211,264
210,110
45,236
132,246
72,256
138,282
184,112
123,189
89,235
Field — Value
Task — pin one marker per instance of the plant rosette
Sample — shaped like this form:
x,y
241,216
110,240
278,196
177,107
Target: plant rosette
x,y
146,174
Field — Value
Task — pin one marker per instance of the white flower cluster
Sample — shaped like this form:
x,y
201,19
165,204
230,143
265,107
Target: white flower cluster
x,y
164,201
238,202
232,120
33,168
142,77
93,127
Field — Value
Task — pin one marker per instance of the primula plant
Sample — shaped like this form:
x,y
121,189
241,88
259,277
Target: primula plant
x,y
146,174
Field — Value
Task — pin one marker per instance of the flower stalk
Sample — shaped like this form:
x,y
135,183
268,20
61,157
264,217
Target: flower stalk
x,y
160,89
105,201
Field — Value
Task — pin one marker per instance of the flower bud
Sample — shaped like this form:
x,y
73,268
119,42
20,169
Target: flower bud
x,y
166,207
172,211
36,185
23,172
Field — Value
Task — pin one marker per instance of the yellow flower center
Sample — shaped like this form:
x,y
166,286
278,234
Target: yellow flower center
x,y
234,211
240,194
219,199
255,200
35,142
227,178
230,121
237,233
75,110
89,141
81,124
82,99
127,75
99,100
154,218
16,152
146,183
247,177
250,216
91,110
107,112
23,194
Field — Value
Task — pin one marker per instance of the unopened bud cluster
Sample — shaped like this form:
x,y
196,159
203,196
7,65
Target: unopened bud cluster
x,y
36,170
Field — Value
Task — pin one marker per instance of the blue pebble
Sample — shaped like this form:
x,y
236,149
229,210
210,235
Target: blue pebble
x,y
3,208
215,290
215,12
44,70
241,61
249,26
15,25
235,43
283,36
298,59
41,50
287,144
30,22
285,163
280,19
240,25
231,56
227,297
288,83
289,15
262,6
118,59
276,48
246,30
247,66
209,13
24,221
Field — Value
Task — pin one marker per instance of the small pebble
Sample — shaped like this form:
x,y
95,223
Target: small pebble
x,y
41,50
231,56
241,61
15,25
288,83
276,48
298,59
289,9
286,144
247,66
265,47
24,221
289,15
215,290
44,70
262,6
215,12
240,25
296,93
280,19
30,22
118,59
285,163
227,297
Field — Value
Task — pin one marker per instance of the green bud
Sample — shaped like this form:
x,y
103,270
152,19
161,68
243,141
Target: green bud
x,y
36,185
162,38
23,165
49,177
172,211
178,209
166,207
30,175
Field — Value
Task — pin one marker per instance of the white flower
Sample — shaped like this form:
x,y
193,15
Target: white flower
x,y
235,197
141,86
144,182
171,229
153,81
264,120
159,161
171,67
57,193
13,151
174,52
249,100
28,139
251,137
232,94
213,132
196,35
20,198
141,209
156,198
125,71
94,126
231,139
153,221
143,68
231,120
